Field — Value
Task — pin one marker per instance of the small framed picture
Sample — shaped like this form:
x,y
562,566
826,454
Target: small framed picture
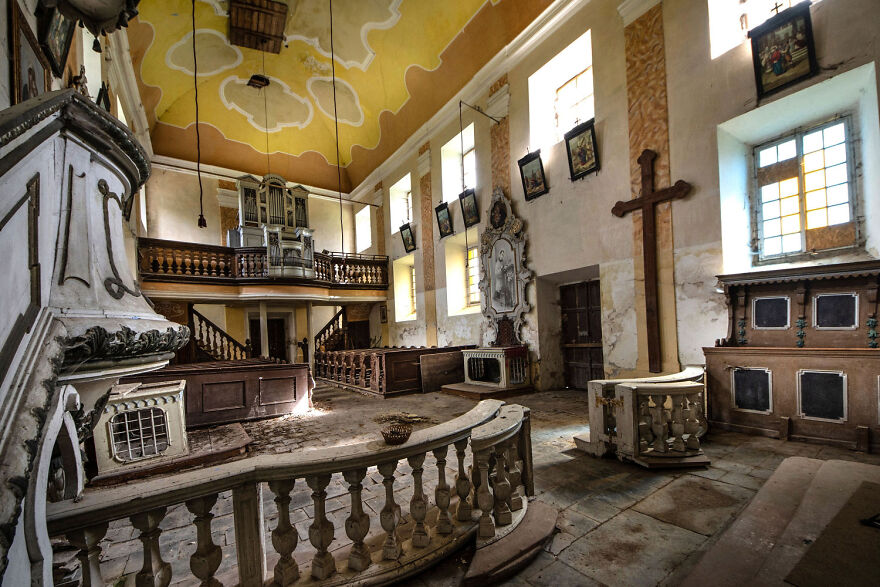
x,y
383,314
444,221
469,210
782,50
56,35
30,70
409,241
531,171
583,154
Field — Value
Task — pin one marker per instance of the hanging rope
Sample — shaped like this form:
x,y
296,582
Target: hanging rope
x,y
202,222
463,187
336,125
265,93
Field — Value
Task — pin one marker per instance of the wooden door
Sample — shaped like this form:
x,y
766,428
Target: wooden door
x,y
277,338
581,307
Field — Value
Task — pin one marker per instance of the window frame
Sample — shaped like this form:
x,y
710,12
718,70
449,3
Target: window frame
x,y
557,114
853,179
412,292
469,302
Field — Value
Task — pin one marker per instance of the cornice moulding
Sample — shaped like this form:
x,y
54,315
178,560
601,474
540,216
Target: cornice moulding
x,y
630,10
227,198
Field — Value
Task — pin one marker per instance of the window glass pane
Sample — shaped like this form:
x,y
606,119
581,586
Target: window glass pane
x,y
767,156
814,180
788,187
813,142
835,175
814,161
835,155
770,192
817,218
834,134
791,224
470,169
838,214
815,199
787,150
838,194
773,246
772,228
790,205
791,243
770,210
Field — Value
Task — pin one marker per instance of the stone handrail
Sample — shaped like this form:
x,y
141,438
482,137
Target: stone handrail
x,y
491,426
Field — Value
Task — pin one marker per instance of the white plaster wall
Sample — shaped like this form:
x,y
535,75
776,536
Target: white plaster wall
x,y
619,340
216,313
701,311
173,207
324,219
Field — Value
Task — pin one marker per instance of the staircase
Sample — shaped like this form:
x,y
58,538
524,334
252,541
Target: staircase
x,y
209,342
334,335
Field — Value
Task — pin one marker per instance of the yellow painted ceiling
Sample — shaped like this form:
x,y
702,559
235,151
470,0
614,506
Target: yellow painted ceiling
x,y
383,48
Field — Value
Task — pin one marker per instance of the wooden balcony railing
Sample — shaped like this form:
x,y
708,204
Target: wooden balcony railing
x,y
164,260
482,499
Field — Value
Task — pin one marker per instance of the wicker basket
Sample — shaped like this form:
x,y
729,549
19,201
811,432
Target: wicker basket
x,y
396,433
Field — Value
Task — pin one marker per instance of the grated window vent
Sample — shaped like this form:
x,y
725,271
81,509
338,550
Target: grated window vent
x,y
139,434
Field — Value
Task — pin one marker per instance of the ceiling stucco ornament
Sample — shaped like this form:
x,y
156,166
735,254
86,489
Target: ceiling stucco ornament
x,y
282,107
99,16
348,105
214,52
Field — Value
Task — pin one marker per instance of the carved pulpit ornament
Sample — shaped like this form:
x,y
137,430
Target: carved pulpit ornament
x,y
503,272
646,202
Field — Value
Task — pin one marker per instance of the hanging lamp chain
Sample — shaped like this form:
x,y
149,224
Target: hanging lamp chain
x,y
201,222
336,127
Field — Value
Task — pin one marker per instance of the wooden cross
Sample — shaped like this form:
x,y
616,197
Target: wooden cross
x,y
777,7
646,203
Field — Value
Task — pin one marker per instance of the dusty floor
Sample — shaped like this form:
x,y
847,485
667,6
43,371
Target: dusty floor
x,y
619,524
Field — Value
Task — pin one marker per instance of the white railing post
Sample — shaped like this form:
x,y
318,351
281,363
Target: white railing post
x,y
155,572
284,536
463,510
205,561
418,505
514,475
247,513
390,514
484,498
321,530
357,526
501,487
692,424
88,541
441,492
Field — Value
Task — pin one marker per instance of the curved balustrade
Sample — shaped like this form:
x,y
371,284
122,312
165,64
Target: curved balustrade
x,y
161,257
501,453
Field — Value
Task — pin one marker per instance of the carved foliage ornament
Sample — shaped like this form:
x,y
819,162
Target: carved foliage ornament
x,y
96,343
503,272
99,16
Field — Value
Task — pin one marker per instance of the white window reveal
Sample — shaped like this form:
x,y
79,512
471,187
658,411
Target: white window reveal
x,y
405,299
731,20
473,276
400,198
363,230
458,164
561,94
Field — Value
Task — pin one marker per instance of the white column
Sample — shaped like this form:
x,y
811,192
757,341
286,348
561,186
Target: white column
x,y
311,335
264,331
291,335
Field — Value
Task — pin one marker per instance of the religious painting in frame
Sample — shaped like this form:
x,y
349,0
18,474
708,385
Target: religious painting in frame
x,y
383,314
583,153
469,210
444,220
783,52
56,35
531,171
409,241
30,70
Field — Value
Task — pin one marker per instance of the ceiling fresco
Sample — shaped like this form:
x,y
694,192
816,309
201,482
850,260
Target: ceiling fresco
x,y
397,63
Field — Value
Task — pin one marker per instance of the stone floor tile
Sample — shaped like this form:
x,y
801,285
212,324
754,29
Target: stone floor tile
x,y
595,509
742,480
709,472
734,466
557,574
631,549
696,504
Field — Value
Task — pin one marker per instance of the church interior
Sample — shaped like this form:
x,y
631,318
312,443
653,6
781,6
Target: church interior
x,y
521,292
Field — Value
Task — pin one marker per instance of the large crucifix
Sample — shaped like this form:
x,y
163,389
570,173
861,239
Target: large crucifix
x,y
646,202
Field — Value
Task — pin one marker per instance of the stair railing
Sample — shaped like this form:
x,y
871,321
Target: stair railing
x,y
336,326
214,340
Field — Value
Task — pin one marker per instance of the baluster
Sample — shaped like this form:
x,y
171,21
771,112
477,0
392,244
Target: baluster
x,y
222,265
358,523
155,572
483,497
205,561
247,516
514,475
692,424
390,514
213,263
178,261
442,492
678,422
284,536
646,435
464,510
418,505
501,487
321,530
88,541
658,423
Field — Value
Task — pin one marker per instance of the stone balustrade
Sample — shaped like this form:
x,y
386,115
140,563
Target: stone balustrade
x,y
648,418
487,498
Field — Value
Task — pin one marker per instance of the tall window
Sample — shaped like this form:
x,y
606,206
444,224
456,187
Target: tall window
x,y
400,196
473,276
561,94
458,160
404,272
412,291
804,197
731,20
363,230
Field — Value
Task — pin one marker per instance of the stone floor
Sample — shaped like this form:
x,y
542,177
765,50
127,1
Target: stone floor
x,y
619,524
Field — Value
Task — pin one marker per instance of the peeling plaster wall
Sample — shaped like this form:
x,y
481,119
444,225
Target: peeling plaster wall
x,y
173,207
619,340
701,311
324,220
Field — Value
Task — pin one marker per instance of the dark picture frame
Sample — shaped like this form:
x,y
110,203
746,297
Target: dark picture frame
x,y
783,52
56,35
408,238
582,150
383,314
103,98
531,172
31,75
444,220
470,212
